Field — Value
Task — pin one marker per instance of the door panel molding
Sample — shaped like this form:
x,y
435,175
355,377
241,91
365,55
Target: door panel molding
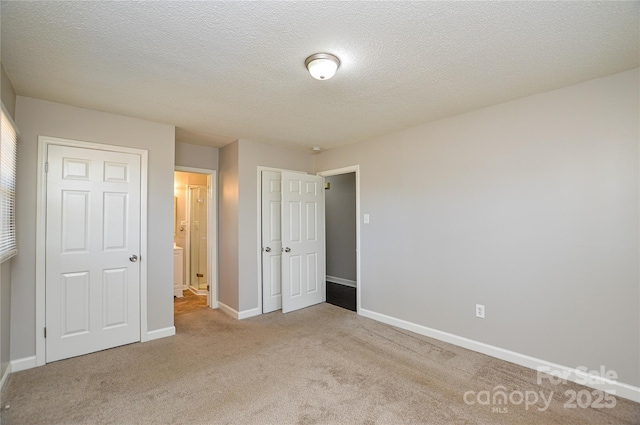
x,y
43,144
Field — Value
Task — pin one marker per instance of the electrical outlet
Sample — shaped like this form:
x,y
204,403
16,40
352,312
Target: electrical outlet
x,y
480,311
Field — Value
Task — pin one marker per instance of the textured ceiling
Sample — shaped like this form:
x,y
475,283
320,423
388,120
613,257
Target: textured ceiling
x,y
220,71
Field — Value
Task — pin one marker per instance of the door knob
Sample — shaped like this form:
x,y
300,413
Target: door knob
x,y
287,249
133,258
267,249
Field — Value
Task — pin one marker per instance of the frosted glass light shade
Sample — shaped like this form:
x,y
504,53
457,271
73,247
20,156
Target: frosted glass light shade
x,y
322,66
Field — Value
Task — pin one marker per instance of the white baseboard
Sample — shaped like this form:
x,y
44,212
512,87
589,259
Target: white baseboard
x,y
341,281
249,313
161,333
228,310
23,364
238,315
197,291
572,374
214,304
5,376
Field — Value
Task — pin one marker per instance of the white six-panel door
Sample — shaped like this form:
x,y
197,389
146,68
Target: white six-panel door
x,y
271,241
303,241
92,245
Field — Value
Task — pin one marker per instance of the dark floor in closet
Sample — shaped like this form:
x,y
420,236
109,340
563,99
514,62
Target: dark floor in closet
x,y
341,295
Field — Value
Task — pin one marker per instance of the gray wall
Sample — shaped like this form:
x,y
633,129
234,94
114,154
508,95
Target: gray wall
x,y
528,207
228,226
252,155
340,210
197,156
238,244
9,100
37,117
8,93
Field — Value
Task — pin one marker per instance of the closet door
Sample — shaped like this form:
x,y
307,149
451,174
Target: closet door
x,y
271,241
92,251
303,241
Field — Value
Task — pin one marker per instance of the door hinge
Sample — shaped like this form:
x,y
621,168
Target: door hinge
x,y
46,167
208,289
45,332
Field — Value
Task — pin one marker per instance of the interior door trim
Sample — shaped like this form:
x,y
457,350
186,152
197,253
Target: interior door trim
x,y
41,203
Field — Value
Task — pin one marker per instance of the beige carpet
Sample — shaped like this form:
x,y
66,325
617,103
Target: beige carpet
x,y
321,365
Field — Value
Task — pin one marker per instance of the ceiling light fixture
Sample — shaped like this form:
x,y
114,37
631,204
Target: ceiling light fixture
x,y
322,66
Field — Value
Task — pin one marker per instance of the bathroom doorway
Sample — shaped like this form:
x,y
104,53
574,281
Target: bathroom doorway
x,y
195,240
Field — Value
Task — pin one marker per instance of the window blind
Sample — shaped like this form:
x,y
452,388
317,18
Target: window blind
x,y
8,155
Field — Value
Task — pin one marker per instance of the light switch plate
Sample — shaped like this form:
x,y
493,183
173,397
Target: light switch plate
x,y
366,219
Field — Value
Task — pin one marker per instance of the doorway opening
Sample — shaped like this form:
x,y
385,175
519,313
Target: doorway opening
x,y
195,268
342,205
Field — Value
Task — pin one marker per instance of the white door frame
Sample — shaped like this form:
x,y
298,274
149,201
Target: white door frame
x,y
41,214
345,170
212,230
259,239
